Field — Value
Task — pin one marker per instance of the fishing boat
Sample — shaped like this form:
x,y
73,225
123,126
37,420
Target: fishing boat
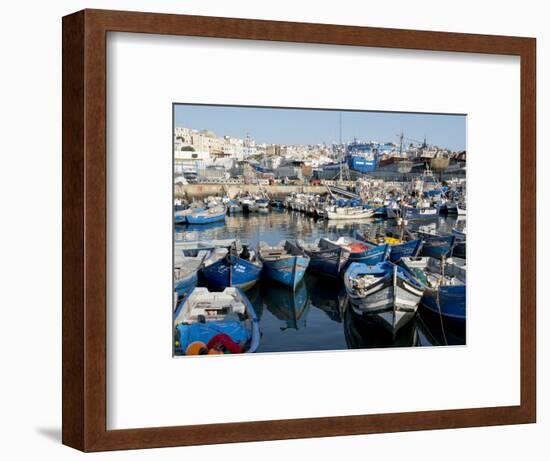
x,y
208,216
393,210
358,212
379,209
385,290
459,249
180,216
320,212
445,286
234,207
398,247
209,322
451,207
184,245
262,205
358,251
248,204
324,260
239,267
422,211
186,269
434,245
286,262
361,157
277,203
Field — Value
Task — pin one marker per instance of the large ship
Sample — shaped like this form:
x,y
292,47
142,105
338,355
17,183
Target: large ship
x,y
362,157
393,161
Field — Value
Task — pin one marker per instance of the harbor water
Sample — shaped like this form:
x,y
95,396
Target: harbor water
x,y
316,315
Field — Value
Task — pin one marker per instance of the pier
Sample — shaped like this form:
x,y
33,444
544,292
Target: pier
x,y
200,191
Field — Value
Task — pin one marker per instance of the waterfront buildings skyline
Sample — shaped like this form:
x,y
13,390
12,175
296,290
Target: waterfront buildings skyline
x,y
315,127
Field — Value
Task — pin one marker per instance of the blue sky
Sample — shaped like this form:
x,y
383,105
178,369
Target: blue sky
x,y
308,126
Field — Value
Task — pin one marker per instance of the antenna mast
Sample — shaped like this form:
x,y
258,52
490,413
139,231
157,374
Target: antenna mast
x,y
340,147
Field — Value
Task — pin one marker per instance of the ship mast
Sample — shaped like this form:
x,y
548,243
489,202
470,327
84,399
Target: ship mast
x,y
340,147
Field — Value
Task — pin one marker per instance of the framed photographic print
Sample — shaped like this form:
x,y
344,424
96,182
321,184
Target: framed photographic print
x,y
279,230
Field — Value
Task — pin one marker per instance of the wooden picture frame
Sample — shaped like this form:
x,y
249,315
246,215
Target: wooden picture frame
x,y
85,221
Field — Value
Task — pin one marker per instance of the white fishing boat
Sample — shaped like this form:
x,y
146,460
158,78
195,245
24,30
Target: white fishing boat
x,y
349,213
385,291
205,316
180,245
451,207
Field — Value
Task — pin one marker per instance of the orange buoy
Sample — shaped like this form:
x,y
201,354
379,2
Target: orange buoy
x,y
196,348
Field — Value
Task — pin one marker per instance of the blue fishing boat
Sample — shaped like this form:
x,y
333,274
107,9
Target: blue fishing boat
x,y
262,204
186,269
398,248
445,289
459,249
361,157
180,215
286,263
277,203
234,207
239,267
180,218
215,323
385,291
208,216
420,212
358,251
436,246
379,210
325,261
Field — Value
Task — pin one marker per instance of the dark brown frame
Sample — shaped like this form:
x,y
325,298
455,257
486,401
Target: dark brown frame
x,y
85,245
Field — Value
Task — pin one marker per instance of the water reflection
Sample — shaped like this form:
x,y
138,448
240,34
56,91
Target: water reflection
x,y
364,332
317,316
291,307
328,295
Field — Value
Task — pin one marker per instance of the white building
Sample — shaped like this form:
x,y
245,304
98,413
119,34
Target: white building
x,y
186,161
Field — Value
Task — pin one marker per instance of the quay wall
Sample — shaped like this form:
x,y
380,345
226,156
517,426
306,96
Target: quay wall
x,y
200,191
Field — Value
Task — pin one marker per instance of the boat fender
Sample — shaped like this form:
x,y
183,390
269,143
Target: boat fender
x,y
196,348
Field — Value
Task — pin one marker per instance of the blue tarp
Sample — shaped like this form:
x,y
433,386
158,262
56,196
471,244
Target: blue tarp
x,y
206,331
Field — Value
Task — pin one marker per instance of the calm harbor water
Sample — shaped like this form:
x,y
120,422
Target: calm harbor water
x,y
316,316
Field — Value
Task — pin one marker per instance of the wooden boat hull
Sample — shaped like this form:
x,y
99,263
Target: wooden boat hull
x,y
393,299
330,262
186,284
345,214
419,214
370,257
410,248
248,329
289,271
205,219
447,301
232,272
437,246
